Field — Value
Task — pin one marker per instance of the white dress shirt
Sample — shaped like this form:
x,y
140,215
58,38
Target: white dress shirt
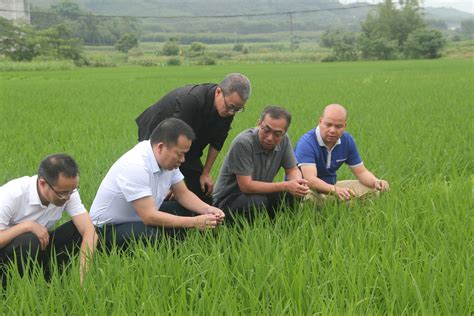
x,y
20,202
133,176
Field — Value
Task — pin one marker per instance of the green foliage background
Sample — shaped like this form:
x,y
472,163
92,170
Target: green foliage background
x,y
408,252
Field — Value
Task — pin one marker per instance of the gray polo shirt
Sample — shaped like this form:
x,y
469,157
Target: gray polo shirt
x,y
247,157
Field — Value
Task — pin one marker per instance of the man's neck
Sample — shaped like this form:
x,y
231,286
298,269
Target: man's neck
x,y
329,146
41,196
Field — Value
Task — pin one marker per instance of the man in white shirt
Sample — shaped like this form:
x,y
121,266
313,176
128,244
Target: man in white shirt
x,y
31,206
129,203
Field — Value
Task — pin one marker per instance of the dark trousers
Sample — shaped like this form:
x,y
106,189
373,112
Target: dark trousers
x,y
191,178
248,205
63,241
121,235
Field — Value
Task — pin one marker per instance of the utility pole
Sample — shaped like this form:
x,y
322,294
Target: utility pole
x,y
291,31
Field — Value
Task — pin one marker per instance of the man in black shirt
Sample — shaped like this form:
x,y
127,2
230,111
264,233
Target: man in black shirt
x,y
209,109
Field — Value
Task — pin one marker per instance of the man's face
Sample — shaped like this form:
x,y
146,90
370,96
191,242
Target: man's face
x,y
271,131
331,126
61,191
228,104
172,157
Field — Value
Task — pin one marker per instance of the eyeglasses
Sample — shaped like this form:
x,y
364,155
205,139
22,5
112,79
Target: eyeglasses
x,y
268,130
62,195
230,107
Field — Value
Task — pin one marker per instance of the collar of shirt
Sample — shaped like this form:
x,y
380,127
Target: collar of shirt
x,y
152,163
259,147
211,95
321,142
34,198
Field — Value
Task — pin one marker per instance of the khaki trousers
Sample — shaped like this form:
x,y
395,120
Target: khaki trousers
x,y
361,192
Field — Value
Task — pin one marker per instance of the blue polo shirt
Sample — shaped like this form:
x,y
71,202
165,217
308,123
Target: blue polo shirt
x,y
311,150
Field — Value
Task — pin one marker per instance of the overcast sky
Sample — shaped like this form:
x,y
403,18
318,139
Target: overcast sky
x,y
463,5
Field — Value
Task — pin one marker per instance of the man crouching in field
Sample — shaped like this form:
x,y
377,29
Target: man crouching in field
x,y
322,151
245,181
129,203
31,206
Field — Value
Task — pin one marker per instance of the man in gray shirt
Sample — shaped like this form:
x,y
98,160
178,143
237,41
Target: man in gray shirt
x,y
245,180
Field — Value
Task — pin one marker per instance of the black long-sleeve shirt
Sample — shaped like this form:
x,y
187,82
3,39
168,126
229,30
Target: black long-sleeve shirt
x,y
193,104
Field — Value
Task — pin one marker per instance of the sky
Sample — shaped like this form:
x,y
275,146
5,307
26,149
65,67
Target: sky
x,y
463,5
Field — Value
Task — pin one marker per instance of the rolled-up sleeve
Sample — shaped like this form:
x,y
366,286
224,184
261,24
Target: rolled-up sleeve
x,y
74,206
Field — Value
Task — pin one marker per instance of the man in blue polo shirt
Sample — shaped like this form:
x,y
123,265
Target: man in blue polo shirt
x,y
323,150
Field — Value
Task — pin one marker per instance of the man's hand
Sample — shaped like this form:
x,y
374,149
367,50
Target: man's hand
x,y
217,212
39,231
206,221
381,185
344,194
297,187
207,185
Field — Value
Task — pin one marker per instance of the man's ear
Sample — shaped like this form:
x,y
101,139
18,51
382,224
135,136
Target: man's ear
x,y
159,147
218,91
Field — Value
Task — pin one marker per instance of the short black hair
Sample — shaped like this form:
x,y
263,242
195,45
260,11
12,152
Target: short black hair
x,y
169,130
54,165
276,112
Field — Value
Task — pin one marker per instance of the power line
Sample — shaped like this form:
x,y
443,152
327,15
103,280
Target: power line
x,y
174,17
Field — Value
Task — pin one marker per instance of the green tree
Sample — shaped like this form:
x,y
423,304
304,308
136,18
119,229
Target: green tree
x,y
126,42
171,48
424,43
17,42
467,28
22,43
67,10
84,25
386,31
197,47
331,38
377,47
58,42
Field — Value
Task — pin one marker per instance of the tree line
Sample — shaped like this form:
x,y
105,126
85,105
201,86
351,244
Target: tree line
x,y
391,32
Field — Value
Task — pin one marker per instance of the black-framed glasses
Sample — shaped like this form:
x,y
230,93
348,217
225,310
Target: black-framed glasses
x,y
267,130
62,195
231,108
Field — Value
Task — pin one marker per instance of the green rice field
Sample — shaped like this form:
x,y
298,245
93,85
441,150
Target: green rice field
x,y
408,252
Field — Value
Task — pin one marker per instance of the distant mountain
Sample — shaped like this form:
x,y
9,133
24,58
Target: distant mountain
x,y
318,19
452,17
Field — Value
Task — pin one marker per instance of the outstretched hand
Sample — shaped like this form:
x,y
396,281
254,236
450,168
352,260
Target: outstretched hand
x,y
344,194
206,221
298,187
220,215
381,185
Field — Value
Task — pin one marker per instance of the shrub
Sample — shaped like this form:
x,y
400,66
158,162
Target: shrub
x,y
424,43
171,48
197,47
126,42
329,58
206,60
174,61
238,47
135,52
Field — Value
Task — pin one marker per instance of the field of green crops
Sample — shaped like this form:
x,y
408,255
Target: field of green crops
x,y
408,252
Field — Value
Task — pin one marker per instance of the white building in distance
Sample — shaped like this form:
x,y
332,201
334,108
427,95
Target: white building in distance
x,y
15,10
